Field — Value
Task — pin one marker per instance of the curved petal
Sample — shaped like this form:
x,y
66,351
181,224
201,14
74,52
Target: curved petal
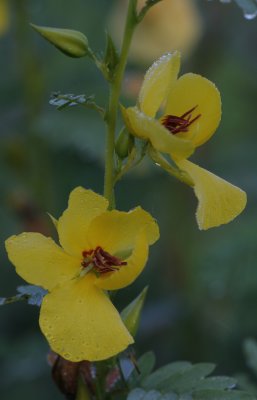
x,y
157,82
40,261
84,206
127,273
80,322
219,201
116,231
192,90
161,139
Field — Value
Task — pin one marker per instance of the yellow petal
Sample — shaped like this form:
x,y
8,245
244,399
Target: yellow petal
x,y
40,261
157,82
161,139
192,90
80,322
219,201
127,273
116,231
84,206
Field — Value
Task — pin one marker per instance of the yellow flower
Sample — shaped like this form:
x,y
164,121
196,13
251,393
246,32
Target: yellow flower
x,y
4,17
169,25
191,112
100,250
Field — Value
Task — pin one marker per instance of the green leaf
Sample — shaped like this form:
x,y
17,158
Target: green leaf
x,y
145,365
221,395
217,382
139,394
131,314
32,294
245,383
61,101
35,294
136,394
157,378
188,380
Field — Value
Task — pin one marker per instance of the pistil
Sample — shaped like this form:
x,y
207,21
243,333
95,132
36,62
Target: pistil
x,y
177,124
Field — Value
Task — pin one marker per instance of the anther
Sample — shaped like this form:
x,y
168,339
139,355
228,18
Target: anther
x,y
177,124
101,261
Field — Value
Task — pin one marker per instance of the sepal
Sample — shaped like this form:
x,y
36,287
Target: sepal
x,y
132,313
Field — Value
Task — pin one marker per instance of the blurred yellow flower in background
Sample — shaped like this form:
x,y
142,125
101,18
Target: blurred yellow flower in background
x,y
169,25
100,250
191,110
4,16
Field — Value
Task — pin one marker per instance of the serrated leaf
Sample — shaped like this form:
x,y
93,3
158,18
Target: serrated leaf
x,y
35,294
217,382
221,395
156,379
186,381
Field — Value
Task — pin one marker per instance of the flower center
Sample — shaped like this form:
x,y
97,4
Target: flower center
x,y
101,261
179,124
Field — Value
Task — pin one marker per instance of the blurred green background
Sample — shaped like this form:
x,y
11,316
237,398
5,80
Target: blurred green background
x,y
202,301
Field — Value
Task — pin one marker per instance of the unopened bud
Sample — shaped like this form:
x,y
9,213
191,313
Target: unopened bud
x,y
124,144
70,42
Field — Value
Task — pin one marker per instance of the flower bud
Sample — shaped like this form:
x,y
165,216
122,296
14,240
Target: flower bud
x,y
70,42
124,144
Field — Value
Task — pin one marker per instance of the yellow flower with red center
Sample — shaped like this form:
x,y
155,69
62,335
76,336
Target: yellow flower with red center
x,y
191,110
99,250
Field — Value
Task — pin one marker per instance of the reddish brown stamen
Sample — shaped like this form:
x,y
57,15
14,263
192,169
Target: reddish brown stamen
x,y
101,261
179,124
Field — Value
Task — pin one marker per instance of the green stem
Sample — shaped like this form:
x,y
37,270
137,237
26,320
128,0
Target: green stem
x,y
163,163
111,117
82,392
13,299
